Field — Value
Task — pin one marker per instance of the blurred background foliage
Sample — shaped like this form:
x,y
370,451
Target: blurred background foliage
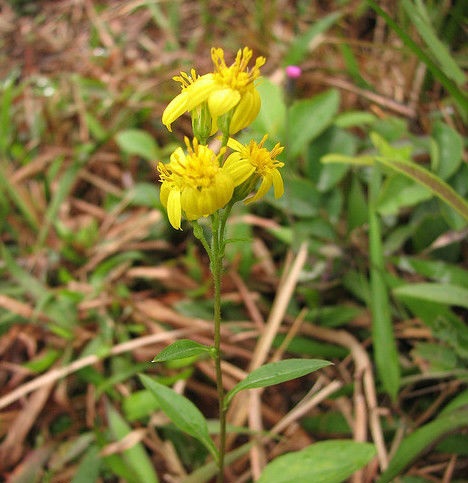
x,y
94,281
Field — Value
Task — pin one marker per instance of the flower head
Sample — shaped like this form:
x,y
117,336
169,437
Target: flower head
x,y
194,184
255,160
228,89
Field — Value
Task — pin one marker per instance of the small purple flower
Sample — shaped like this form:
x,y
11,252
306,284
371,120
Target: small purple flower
x,y
293,71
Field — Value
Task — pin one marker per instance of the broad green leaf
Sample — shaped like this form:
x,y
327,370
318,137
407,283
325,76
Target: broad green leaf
x,y
332,140
272,116
308,118
300,47
435,292
139,142
275,373
324,462
354,118
182,412
399,192
135,457
181,349
421,440
449,150
139,404
330,176
387,150
302,198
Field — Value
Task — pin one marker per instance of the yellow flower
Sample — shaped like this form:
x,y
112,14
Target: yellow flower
x,y
255,160
195,184
225,89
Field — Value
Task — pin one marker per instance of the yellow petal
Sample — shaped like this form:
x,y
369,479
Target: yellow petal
x,y
221,101
174,211
175,109
199,91
189,201
164,194
246,111
224,188
239,169
278,186
190,97
235,144
263,190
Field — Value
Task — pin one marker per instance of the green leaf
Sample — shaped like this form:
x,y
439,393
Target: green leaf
x,y
364,160
88,469
354,118
324,462
436,270
308,118
422,439
181,349
435,292
139,142
272,116
275,373
399,192
182,412
139,404
412,170
383,339
449,150
135,457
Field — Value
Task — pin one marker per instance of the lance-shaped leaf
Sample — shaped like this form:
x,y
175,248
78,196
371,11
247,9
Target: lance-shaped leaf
x,y
182,412
444,293
275,373
422,439
181,349
413,171
324,462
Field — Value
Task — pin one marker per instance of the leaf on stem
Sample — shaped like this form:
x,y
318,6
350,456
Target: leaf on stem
x,y
182,412
275,373
181,349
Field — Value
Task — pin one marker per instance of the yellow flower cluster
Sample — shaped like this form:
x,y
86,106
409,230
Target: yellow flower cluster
x,y
199,182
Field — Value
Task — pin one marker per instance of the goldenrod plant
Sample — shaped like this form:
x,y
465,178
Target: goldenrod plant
x,y
202,182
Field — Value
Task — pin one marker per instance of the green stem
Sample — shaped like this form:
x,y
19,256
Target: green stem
x,y
217,253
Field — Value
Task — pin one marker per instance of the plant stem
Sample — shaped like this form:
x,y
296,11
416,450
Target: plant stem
x,y
216,259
